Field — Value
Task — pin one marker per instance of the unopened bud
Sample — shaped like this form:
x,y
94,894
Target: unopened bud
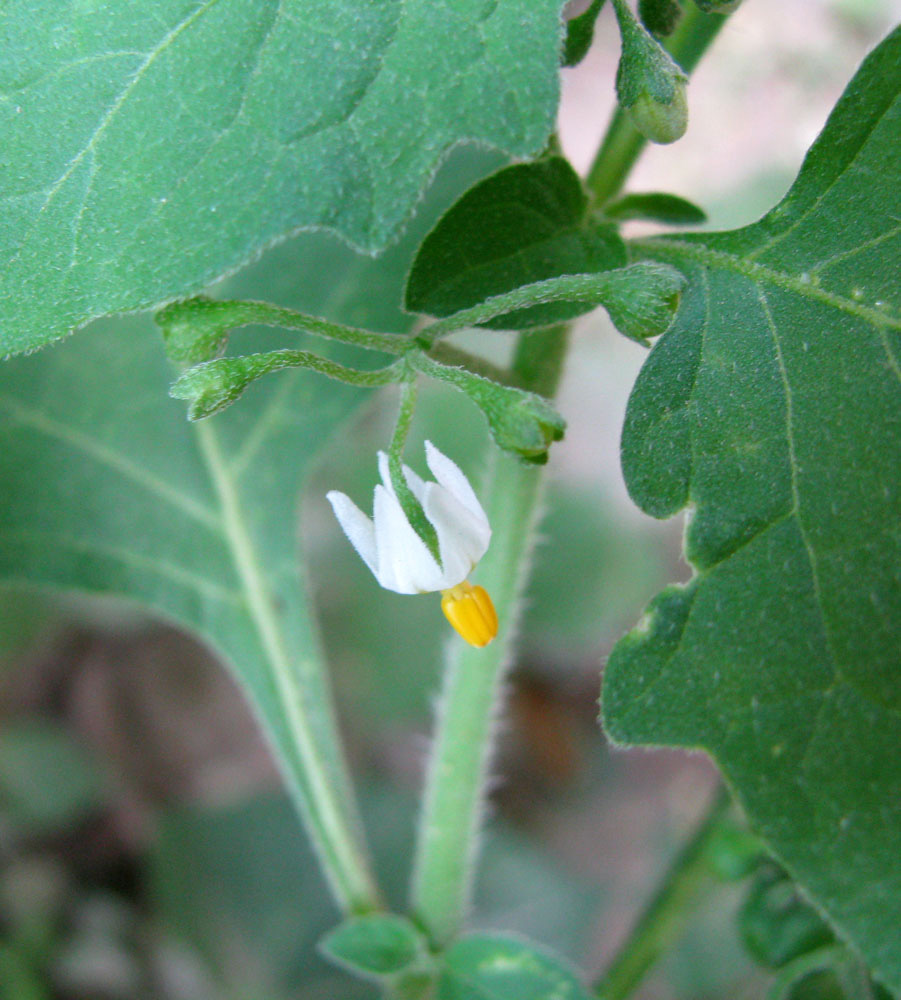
x,y
649,84
526,426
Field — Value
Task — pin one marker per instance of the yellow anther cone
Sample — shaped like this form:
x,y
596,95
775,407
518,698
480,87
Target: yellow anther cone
x,y
470,610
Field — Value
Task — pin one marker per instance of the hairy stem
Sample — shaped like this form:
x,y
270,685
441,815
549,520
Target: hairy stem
x,y
622,144
448,831
666,916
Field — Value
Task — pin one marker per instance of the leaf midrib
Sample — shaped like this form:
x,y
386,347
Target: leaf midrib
x,y
326,814
761,273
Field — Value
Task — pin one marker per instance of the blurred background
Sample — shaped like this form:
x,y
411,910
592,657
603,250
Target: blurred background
x,y
146,850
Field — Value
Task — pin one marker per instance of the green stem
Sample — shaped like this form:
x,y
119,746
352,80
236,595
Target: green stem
x,y
230,314
666,916
447,837
623,143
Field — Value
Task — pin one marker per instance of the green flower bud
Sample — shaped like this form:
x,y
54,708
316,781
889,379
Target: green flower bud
x,y
661,123
195,329
526,426
649,84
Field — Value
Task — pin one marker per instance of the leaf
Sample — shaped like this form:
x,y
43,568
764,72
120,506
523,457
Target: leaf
x,y
496,967
240,886
776,924
524,224
667,208
47,781
580,34
148,151
772,411
380,944
108,489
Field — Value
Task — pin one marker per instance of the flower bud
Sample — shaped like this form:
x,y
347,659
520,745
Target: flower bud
x,y
195,329
526,426
649,84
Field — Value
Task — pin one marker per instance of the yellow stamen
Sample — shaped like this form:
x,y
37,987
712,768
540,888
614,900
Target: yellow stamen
x,y
470,611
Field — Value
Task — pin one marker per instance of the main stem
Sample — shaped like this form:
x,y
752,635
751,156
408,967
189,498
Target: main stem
x,y
448,832
666,916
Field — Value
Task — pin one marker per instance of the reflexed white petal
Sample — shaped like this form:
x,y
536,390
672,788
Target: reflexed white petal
x,y
405,565
356,525
462,537
452,479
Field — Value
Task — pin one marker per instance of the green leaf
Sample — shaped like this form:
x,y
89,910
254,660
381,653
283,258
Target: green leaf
x,y
524,224
772,410
776,924
380,944
496,967
667,208
47,781
580,33
660,17
148,151
240,887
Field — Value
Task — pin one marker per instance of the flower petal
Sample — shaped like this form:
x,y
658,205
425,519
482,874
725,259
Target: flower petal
x,y
405,565
452,479
462,536
356,525
417,486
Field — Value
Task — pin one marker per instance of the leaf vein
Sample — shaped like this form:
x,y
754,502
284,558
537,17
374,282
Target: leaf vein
x,y
40,422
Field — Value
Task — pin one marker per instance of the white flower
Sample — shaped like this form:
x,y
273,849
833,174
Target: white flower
x,y
390,547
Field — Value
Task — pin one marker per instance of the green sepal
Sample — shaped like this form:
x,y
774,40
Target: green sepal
x,y
776,924
657,206
213,385
412,508
650,86
501,967
580,34
521,422
660,17
526,223
377,946
195,329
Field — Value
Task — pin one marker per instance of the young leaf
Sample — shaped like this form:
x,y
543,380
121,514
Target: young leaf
x,y
772,410
378,945
579,34
149,150
523,224
667,208
495,967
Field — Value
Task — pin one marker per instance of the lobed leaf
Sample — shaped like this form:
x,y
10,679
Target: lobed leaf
x,y
772,411
147,152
